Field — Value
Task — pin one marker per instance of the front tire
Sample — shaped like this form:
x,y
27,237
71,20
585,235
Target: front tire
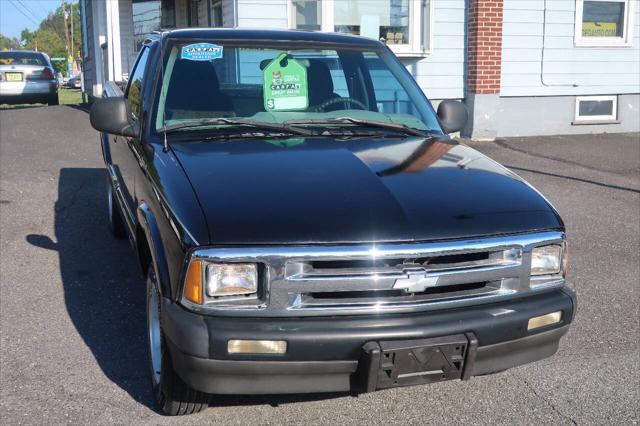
x,y
172,394
53,100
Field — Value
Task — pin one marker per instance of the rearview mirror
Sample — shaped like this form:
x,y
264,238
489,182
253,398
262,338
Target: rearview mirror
x,y
453,115
113,115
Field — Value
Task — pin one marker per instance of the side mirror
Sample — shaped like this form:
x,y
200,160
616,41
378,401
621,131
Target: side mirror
x,y
113,115
453,115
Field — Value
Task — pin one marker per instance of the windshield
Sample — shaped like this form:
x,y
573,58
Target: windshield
x,y
21,58
315,87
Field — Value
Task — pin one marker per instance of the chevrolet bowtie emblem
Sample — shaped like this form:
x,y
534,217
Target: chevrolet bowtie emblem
x,y
417,281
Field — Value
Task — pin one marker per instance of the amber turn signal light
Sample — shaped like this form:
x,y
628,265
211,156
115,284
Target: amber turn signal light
x,y
193,282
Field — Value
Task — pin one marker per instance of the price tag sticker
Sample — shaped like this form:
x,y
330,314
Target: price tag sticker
x,y
285,85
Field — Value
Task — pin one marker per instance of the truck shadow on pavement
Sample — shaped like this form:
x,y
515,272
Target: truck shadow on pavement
x,y
104,289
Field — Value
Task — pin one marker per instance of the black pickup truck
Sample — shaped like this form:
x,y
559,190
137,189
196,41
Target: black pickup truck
x,y
306,224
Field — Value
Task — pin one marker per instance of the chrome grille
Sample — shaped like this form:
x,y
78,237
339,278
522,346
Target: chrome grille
x,y
408,277
388,298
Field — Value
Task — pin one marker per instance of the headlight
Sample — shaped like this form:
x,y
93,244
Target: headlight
x,y
231,279
208,282
547,260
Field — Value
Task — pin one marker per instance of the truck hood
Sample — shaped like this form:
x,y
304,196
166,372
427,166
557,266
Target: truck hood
x,y
324,190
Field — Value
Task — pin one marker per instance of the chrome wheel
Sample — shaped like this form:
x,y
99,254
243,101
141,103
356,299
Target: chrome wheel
x,y
174,396
153,326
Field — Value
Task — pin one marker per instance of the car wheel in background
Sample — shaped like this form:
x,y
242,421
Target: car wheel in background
x,y
53,100
115,218
173,395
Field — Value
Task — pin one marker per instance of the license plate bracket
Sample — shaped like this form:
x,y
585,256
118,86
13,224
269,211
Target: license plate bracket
x,y
13,76
396,363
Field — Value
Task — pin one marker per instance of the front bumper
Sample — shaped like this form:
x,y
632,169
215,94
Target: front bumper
x,y
324,353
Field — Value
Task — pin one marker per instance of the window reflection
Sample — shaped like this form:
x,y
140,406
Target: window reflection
x,y
416,156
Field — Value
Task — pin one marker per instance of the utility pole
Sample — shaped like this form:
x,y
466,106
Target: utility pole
x,y
66,36
71,16
66,27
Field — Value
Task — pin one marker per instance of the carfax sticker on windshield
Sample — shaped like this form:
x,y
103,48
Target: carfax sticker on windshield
x,y
201,52
285,84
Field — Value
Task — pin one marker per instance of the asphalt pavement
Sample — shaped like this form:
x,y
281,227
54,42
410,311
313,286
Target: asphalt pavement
x,y
72,299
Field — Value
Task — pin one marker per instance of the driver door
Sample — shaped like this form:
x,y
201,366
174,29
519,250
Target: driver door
x,y
125,158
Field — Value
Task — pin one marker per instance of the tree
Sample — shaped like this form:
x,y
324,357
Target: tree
x,y
7,43
50,36
55,21
27,37
48,41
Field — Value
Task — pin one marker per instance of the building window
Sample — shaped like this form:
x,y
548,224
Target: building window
x,y
387,20
306,15
603,23
216,14
193,13
596,109
404,25
168,13
150,16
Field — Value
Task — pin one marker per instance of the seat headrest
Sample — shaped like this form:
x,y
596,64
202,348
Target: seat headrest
x,y
194,71
319,82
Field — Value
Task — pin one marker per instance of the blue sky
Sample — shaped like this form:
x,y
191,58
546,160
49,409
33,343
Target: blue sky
x,y
13,19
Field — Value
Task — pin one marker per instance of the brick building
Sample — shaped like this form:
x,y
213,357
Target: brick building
x,y
523,67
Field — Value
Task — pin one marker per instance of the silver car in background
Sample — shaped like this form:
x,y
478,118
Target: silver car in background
x,y
27,77
74,83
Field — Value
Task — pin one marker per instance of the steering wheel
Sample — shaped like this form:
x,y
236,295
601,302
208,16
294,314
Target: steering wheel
x,y
323,105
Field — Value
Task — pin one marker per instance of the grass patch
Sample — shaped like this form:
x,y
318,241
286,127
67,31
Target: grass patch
x,y
70,96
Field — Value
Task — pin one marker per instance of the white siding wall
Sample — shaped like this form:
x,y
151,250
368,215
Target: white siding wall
x,y
441,74
614,70
262,13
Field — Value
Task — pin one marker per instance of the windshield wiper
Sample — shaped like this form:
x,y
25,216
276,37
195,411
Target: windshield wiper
x,y
285,127
370,123
248,134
